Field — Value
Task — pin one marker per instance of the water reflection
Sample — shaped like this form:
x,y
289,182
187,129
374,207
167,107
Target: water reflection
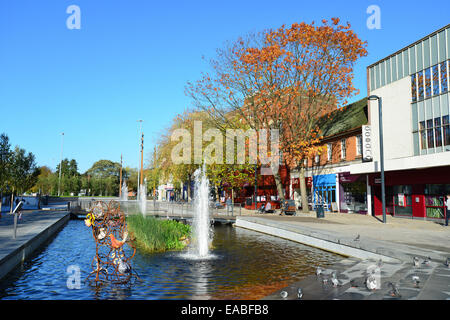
x,y
244,265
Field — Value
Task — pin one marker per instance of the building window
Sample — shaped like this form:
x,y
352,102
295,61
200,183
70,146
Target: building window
x,y
359,145
329,151
444,84
414,87
423,137
343,149
430,136
446,130
435,80
427,82
420,85
437,132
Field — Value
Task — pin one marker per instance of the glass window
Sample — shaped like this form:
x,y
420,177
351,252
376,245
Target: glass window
x,y
343,149
446,130
423,139
435,80
359,145
444,84
430,137
420,85
427,82
329,151
414,87
437,132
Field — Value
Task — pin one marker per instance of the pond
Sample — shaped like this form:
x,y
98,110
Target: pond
x,y
244,265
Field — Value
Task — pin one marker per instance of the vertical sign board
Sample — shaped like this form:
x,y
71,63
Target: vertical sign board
x,y
367,143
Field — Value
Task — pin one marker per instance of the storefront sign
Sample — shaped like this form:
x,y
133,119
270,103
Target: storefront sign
x,y
367,144
346,177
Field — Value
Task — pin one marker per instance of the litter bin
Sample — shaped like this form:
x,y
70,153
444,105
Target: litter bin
x,y
319,212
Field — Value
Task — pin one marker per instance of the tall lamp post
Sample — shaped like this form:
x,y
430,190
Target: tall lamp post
x,y
139,171
380,128
60,164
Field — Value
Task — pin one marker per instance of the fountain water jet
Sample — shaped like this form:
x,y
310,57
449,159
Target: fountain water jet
x,y
143,198
202,231
124,195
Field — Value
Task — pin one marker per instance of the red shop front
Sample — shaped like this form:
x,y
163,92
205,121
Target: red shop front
x,y
415,193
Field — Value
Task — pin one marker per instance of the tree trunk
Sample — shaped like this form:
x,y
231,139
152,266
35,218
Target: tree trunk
x,y
12,203
1,203
303,191
278,182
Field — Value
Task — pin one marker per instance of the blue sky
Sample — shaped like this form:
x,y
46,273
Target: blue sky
x,y
131,60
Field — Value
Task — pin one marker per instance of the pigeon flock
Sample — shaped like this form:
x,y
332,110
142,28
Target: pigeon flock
x,y
371,282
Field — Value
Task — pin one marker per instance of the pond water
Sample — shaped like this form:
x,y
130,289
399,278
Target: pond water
x,y
244,265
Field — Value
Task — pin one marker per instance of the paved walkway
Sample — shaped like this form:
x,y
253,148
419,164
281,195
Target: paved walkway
x,y
34,228
399,240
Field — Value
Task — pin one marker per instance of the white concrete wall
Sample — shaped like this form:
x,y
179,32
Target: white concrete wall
x,y
397,120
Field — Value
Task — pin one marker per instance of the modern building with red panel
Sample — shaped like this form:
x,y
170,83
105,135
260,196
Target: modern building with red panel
x,y
414,86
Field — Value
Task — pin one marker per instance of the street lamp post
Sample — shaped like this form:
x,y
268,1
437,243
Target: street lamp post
x,y
380,128
256,186
60,164
139,172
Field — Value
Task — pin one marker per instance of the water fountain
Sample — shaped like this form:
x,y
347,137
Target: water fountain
x,y
202,231
143,197
124,195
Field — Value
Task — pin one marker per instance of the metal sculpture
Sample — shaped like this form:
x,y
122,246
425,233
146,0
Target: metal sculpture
x,y
109,229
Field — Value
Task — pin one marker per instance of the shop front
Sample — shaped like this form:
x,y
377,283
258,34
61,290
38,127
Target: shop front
x,y
324,190
412,193
297,194
352,193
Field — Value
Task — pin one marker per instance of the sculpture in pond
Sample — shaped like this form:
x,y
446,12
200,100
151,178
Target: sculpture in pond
x,y
109,230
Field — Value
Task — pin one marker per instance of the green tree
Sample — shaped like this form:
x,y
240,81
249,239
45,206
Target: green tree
x,y
5,156
104,177
44,184
23,172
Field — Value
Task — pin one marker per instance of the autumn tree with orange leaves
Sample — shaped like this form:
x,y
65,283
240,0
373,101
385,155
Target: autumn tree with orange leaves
x,y
283,79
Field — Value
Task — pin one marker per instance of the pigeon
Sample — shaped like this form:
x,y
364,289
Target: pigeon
x,y
325,280
380,263
353,283
416,262
299,293
283,294
416,281
357,238
334,280
371,282
447,263
319,271
394,291
427,261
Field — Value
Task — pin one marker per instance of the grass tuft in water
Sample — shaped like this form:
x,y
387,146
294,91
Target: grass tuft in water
x,y
156,235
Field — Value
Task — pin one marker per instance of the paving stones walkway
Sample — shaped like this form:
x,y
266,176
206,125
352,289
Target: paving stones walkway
x,y
400,239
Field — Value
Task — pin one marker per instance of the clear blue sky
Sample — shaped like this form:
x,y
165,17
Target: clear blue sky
x,y
131,60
